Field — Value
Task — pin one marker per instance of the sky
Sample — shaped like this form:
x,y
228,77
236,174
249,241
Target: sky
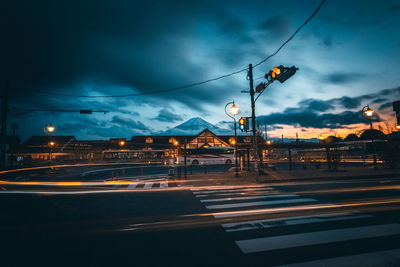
x,y
347,57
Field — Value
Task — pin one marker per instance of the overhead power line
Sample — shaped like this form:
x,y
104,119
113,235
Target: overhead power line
x,y
196,83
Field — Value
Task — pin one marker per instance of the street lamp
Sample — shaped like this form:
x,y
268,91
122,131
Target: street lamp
x,y
121,143
234,110
176,144
50,128
51,145
368,113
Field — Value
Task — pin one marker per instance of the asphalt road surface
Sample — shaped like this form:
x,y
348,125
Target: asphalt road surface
x,y
327,223
104,171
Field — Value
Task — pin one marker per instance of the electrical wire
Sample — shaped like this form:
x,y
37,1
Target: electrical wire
x,y
291,37
196,83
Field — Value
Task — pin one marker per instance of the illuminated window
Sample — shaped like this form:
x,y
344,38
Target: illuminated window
x,y
149,140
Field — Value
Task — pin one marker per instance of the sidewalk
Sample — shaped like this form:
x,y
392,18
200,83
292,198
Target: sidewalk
x,y
280,175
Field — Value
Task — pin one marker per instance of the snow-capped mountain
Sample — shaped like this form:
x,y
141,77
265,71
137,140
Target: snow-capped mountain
x,y
194,126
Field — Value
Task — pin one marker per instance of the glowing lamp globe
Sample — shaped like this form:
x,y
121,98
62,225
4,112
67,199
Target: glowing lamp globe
x,y
234,109
369,112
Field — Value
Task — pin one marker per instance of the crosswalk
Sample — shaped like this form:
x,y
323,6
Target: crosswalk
x,y
146,184
281,223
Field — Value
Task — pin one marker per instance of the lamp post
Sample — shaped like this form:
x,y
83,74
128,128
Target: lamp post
x,y
51,145
176,144
234,110
368,113
50,129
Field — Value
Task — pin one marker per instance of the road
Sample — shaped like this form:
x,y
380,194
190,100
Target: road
x,y
104,171
352,222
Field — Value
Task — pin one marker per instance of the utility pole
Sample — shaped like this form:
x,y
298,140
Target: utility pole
x,y
265,130
3,134
253,120
184,161
281,74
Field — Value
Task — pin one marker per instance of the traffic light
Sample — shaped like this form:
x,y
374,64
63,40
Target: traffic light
x,y
280,73
244,124
273,74
241,124
286,73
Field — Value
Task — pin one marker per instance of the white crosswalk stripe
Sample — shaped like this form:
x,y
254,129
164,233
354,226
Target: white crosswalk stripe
x,y
132,185
244,198
259,203
163,184
315,223
314,238
258,224
146,185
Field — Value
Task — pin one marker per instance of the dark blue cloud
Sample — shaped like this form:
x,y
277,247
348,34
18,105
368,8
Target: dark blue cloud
x,y
276,26
168,116
342,77
129,123
311,119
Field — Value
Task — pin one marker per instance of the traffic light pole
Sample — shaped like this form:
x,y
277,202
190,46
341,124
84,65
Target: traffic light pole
x,y
253,120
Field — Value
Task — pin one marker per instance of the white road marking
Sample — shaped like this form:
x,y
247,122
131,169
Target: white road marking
x,y
259,224
258,192
315,238
380,258
132,185
246,198
259,203
225,187
148,185
229,214
231,190
164,184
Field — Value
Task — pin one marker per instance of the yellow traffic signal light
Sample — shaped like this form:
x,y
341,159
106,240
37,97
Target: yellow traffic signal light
x,y
280,73
276,70
274,73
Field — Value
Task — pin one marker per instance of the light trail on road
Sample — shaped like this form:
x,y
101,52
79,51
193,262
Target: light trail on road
x,y
78,165
209,219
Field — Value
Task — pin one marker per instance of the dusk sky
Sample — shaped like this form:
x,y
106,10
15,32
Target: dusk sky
x,y
347,55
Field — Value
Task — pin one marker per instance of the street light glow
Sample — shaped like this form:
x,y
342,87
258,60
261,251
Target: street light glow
x,y
232,141
52,143
50,128
121,143
234,109
369,112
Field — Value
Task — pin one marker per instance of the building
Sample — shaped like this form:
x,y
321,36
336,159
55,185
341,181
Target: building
x,y
151,148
